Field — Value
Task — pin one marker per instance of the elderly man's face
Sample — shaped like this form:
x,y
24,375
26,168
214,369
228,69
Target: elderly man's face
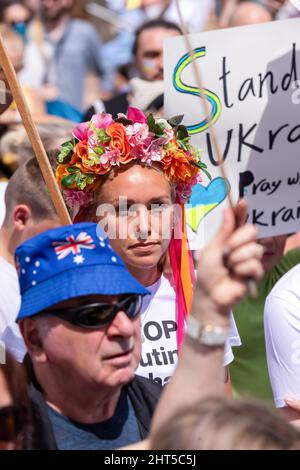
x,y
103,357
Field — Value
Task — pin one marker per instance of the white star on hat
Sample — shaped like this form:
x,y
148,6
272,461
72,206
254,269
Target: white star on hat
x,y
78,259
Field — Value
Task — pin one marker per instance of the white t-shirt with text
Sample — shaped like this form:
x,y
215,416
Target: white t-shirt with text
x,y
159,334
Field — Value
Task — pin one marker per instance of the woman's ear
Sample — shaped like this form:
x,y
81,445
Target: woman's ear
x,y
33,340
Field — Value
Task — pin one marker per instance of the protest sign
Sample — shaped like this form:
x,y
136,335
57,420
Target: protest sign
x,y
251,76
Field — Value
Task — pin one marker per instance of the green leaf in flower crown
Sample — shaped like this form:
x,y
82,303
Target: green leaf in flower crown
x,y
99,150
176,120
84,179
207,173
102,136
72,169
158,128
182,133
66,151
184,144
68,180
183,138
151,122
202,167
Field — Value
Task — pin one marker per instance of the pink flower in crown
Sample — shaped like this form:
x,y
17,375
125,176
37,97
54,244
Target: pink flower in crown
x,y
76,199
85,132
111,156
135,115
92,145
102,120
168,132
196,179
82,132
155,151
139,152
139,134
92,140
146,158
183,192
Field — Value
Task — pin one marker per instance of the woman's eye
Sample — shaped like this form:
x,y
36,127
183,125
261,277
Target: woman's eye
x,y
122,211
159,208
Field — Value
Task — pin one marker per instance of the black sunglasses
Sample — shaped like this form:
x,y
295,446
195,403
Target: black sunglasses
x,y
96,315
13,420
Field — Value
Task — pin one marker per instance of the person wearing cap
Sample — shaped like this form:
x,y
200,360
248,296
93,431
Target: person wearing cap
x,y
79,318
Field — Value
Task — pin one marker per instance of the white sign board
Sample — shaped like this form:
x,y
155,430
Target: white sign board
x,y
251,79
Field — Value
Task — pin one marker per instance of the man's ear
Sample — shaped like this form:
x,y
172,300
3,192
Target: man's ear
x,y
32,338
21,216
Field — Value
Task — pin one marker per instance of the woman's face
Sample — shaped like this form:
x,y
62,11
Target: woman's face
x,y
137,215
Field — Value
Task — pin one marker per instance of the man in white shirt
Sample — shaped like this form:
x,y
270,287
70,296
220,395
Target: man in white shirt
x,y
3,185
29,211
282,331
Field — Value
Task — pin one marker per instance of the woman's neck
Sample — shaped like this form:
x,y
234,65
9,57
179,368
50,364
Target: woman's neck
x,y
146,277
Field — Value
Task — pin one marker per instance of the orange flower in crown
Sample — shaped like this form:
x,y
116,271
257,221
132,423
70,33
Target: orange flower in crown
x,y
119,142
102,144
178,164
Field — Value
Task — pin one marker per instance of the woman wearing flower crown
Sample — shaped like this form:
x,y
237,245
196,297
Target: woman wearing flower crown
x,y
134,174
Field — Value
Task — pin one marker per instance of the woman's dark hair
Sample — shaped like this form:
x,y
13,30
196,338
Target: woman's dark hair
x,y
153,24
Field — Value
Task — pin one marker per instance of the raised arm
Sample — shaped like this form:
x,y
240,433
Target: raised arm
x,y
225,267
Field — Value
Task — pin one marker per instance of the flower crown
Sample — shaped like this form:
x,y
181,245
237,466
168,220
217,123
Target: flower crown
x,y
102,144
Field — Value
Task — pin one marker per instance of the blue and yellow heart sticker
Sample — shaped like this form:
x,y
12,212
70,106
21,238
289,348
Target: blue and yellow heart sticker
x,y
204,199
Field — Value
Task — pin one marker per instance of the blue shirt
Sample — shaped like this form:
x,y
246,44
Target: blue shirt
x,y
120,430
74,55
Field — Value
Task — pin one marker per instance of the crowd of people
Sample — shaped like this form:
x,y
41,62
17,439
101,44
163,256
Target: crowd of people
x,y
112,333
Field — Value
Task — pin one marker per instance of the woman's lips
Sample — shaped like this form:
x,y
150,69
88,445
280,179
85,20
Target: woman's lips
x,y
144,247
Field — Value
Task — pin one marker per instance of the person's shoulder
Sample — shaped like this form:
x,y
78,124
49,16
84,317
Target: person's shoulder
x,y
7,269
145,384
84,27
144,391
284,298
290,281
